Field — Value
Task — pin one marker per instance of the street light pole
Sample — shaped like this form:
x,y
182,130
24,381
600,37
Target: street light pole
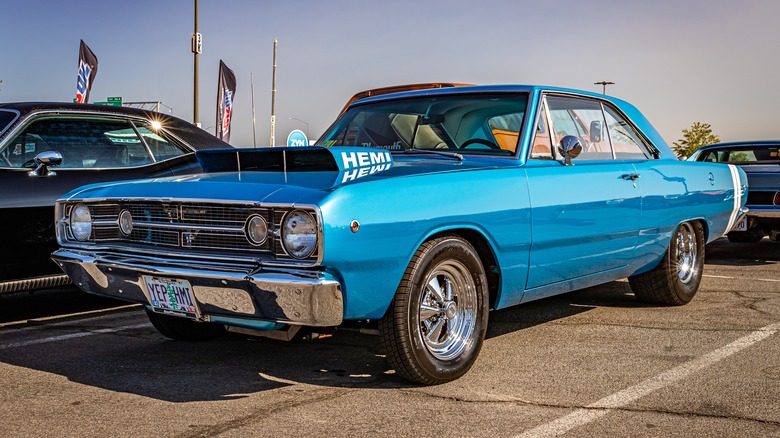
x,y
197,48
273,101
604,85
304,122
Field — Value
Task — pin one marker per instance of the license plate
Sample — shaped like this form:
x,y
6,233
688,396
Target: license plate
x,y
741,225
171,296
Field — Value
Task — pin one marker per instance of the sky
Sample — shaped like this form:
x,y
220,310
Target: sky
x,y
679,62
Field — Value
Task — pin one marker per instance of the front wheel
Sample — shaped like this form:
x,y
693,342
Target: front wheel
x,y
182,329
434,328
676,279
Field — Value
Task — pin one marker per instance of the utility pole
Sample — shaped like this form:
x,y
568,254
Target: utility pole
x,y
604,85
273,101
197,49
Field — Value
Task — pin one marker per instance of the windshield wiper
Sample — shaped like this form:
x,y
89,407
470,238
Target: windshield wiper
x,y
435,152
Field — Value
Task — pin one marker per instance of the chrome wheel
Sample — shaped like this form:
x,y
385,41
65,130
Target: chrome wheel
x,y
448,310
676,278
434,328
687,253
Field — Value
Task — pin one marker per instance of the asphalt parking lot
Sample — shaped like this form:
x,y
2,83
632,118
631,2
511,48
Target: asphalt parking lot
x,y
590,363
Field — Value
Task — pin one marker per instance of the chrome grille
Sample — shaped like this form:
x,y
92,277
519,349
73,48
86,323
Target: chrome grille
x,y
200,227
150,235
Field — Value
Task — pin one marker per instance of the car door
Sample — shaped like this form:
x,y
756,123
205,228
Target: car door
x,y
585,216
94,149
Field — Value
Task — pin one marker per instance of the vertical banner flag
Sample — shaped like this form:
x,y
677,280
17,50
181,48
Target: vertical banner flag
x,y
226,90
88,65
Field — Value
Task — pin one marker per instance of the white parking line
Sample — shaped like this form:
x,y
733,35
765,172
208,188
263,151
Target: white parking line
x,y
71,336
67,315
741,278
622,398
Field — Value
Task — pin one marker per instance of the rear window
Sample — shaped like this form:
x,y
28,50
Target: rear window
x,y
743,154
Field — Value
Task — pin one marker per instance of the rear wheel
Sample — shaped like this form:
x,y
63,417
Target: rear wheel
x,y
676,279
181,329
434,328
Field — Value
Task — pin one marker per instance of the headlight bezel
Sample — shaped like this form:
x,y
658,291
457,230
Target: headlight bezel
x,y
311,222
80,222
252,223
125,222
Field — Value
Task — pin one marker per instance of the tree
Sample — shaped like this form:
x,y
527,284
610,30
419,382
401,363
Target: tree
x,y
699,135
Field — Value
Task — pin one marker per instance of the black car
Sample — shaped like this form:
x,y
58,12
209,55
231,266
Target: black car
x,y
761,162
48,149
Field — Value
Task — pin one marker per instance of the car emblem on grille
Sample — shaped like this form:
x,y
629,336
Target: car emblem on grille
x,y
188,238
193,211
171,211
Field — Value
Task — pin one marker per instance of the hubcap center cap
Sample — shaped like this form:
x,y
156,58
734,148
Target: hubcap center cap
x,y
450,310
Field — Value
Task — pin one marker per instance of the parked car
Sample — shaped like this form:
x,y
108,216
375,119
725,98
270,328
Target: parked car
x,y
419,210
761,162
397,89
48,149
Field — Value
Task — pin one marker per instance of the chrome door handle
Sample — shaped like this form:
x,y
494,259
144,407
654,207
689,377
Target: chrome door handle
x,y
630,176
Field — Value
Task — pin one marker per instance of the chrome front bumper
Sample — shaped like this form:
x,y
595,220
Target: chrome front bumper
x,y
295,297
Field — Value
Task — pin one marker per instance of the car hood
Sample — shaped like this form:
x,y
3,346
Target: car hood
x,y
283,175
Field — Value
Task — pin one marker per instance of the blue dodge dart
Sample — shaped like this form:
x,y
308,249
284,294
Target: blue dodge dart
x,y
419,211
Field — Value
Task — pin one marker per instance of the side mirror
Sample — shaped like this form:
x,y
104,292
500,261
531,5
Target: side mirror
x,y
569,148
44,160
595,131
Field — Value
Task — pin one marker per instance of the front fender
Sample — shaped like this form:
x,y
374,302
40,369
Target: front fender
x,y
396,216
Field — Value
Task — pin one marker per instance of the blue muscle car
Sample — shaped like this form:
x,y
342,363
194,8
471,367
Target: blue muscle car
x,y
761,162
419,210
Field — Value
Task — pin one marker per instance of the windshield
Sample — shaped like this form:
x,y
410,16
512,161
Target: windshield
x,y
488,124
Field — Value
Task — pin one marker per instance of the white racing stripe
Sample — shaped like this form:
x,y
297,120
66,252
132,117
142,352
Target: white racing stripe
x,y
71,336
737,197
622,398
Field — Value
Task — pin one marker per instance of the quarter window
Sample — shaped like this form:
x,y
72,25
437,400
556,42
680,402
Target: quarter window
x,y
542,148
626,141
6,118
161,147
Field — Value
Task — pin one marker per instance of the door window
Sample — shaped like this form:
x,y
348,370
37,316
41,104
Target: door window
x,y
583,119
87,143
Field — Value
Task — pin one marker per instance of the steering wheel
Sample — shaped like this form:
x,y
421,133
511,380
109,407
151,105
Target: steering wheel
x,y
487,143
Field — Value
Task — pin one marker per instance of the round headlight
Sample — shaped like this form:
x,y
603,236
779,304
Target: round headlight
x,y
125,222
256,230
299,234
80,222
